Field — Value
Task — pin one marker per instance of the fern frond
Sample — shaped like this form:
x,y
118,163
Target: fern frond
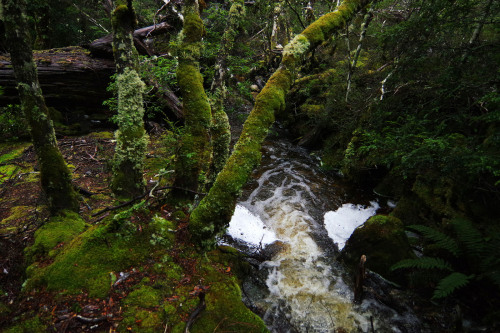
x,y
423,263
438,238
468,235
451,283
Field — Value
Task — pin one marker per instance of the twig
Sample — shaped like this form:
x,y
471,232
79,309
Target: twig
x,y
298,15
195,314
140,197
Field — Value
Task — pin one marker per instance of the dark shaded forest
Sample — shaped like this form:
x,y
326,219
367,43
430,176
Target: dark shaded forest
x,y
129,128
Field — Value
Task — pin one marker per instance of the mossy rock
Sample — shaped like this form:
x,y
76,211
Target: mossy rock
x,y
59,229
86,263
384,242
225,311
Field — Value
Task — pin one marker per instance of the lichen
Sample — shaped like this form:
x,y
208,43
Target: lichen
x,y
132,140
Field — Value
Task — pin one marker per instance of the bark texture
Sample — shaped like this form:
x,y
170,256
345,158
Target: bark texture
x,y
55,175
214,212
195,153
131,138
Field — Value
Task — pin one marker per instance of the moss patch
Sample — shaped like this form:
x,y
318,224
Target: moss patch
x,y
86,262
59,229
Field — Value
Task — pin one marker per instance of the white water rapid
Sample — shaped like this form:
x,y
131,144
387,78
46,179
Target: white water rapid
x,y
292,201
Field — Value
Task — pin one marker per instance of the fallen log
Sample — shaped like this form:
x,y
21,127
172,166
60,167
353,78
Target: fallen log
x,y
71,78
103,48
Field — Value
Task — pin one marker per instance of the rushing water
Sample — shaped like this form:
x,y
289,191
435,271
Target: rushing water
x,y
306,216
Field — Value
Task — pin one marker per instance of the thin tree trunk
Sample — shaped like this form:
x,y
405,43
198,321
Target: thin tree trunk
x,y
214,212
55,175
131,138
195,153
221,131
364,27
477,30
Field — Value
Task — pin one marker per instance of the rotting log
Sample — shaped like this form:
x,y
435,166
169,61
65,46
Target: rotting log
x,y
214,212
71,77
68,77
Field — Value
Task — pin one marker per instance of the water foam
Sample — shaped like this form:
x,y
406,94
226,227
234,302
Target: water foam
x,y
341,223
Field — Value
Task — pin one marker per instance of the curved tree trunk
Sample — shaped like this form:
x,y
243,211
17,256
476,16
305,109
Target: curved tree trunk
x,y
221,130
55,175
195,153
131,138
214,212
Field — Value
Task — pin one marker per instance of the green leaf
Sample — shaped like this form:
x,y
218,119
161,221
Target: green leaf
x,y
438,238
451,283
423,263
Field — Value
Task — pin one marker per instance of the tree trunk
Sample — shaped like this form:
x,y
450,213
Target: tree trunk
x,y
221,130
214,212
131,138
55,176
195,153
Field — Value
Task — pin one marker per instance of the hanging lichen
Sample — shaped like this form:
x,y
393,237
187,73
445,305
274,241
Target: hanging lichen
x,y
131,138
214,212
196,150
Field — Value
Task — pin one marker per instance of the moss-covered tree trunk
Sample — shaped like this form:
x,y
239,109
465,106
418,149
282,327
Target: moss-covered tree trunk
x,y
195,152
221,130
214,212
131,138
55,175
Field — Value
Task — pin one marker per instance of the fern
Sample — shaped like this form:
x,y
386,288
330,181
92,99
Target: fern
x,y
451,283
440,239
472,239
423,263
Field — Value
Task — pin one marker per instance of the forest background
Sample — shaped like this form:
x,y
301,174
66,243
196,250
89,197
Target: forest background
x,y
403,99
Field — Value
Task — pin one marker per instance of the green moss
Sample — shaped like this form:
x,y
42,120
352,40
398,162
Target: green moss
x,y
225,311
102,135
59,229
32,325
144,297
86,262
194,156
16,213
139,320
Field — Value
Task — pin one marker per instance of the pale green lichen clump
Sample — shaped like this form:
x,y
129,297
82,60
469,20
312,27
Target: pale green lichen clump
x,y
297,47
131,137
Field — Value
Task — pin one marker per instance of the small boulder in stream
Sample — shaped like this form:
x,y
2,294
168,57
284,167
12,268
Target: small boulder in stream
x,y
383,240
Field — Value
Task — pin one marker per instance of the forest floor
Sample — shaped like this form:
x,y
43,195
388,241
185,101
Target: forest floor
x,y
23,210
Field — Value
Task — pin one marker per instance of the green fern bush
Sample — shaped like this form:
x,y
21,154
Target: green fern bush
x,y
463,256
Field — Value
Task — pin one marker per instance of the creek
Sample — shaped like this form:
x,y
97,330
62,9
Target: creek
x,y
299,217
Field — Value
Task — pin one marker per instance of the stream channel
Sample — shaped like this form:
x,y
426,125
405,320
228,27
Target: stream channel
x,y
299,217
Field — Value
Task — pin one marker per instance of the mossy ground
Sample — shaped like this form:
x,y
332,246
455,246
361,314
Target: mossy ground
x,y
133,268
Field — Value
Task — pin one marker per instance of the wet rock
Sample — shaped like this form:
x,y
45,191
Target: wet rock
x,y
383,240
